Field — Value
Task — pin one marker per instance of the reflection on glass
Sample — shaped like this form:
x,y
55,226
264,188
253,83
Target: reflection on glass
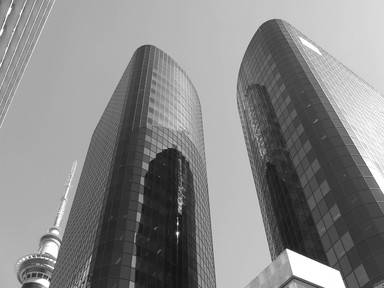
x,y
167,226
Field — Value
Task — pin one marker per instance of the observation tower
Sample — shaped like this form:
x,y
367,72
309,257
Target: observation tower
x,y
35,270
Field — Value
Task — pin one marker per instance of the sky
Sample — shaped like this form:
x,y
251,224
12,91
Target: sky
x,y
76,65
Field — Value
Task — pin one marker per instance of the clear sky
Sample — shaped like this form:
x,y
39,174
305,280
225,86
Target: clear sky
x,y
78,61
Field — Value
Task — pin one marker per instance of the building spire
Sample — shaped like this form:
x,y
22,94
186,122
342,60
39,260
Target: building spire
x,y
36,268
60,212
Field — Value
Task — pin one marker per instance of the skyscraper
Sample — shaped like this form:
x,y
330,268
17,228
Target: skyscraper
x,y
35,270
21,24
313,131
140,216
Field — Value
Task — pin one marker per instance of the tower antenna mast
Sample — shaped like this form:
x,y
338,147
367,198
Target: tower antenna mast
x,y
60,212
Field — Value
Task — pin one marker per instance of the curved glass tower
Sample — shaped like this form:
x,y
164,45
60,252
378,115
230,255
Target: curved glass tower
x,y
313,131
140,217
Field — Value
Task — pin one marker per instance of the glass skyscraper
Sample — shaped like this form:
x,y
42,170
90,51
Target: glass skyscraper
x,y
140,216
314,135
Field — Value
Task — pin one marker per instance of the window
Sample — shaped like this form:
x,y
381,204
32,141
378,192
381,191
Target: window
x,y
335,212
361,275
310,45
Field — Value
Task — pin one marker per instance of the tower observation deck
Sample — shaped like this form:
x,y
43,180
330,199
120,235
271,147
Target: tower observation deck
x,y
35,270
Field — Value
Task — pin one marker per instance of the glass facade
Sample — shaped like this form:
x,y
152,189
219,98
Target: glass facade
x,y
21,23
140,217
313,131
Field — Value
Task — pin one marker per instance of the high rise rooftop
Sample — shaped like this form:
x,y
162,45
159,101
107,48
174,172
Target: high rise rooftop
x,y
292,270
